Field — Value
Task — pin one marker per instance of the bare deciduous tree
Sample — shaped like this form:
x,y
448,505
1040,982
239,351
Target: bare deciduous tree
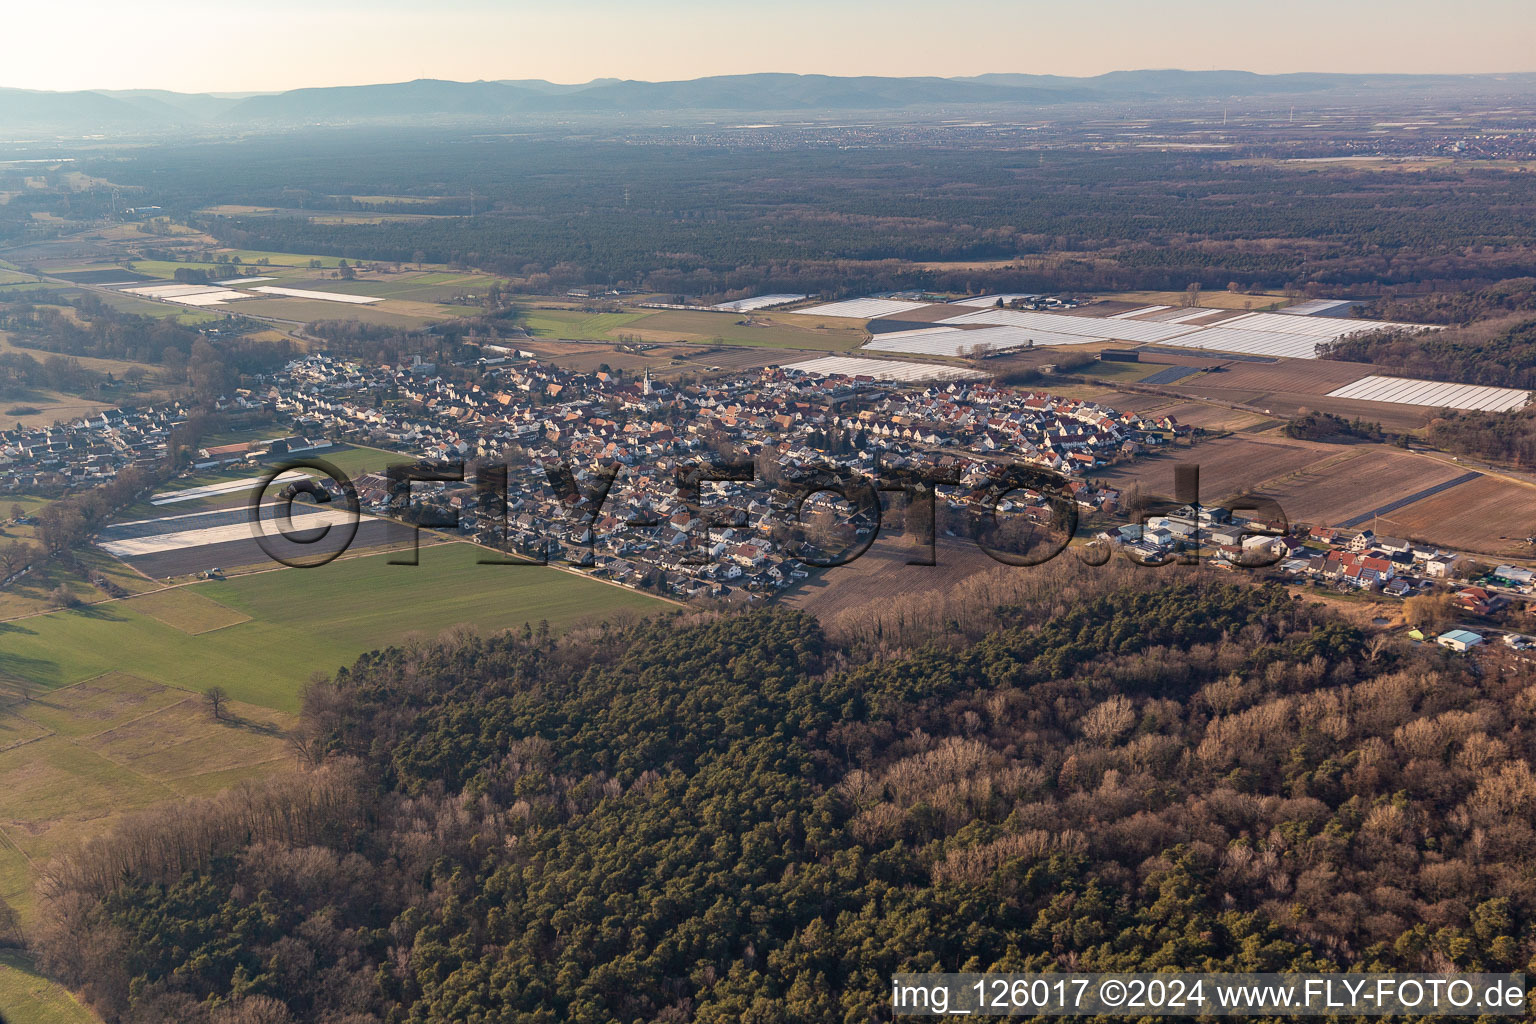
x,y
217,700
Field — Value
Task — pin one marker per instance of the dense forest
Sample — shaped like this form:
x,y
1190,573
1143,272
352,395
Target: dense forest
x,y
714,219
755,817
1457,308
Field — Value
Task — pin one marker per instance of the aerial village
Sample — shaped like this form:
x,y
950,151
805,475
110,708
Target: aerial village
x,y
595,465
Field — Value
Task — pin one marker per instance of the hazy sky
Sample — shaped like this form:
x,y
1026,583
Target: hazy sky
x,y
283,44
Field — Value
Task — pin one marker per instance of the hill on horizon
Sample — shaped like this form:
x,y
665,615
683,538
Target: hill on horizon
x,y
160,110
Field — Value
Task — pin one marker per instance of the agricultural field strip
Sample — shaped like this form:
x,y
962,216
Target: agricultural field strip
x,y
757,302
177,523
862,309
1317,307
216,298
229,486
1485,516
916,332
883,369
126,543
1318,326
949,341
1089,328
1416,496
1134,314
301,293
1253,333
1258,343
1175,315
170,291
1169,375
190,294
1406,391
206,491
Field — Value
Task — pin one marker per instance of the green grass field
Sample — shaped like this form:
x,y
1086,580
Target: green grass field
x,y
427,287
1121,371
187,610
306,311
692,326
355,460
577,325
301,621
167,268
762,331
27,997
281,260
104,712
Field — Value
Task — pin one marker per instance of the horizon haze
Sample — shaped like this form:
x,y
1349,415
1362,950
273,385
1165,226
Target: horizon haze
x,y
346,42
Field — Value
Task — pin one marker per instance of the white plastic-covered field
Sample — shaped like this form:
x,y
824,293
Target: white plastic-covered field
x,y
1177,315
300,293
213,298
206,491
862,309
1403,391
223,527
1089,328
1264,334
189,294
1318,307
953,341
1254,343
170,291
1326,327
246,483
757,302
882,369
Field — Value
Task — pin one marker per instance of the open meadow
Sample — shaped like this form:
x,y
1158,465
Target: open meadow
x,y
760,330
73,757
299,621
102,709
29,997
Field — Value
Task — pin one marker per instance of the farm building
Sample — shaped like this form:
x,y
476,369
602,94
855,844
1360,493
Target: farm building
x,y
1461,640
